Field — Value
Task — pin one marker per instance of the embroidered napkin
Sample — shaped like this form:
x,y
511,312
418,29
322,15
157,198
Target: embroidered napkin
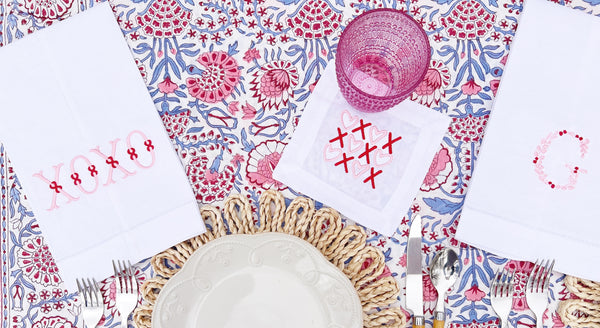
x,y
368,166
535,187
89,148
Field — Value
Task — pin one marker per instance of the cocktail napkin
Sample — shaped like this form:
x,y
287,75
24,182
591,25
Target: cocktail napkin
x,y
368,166
535,186
89,147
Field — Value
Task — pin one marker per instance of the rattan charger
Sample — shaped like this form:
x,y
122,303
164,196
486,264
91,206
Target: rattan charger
x,y
583,311
345,247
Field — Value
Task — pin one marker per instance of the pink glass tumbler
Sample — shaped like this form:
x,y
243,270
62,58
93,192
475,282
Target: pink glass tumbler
x,y
382,56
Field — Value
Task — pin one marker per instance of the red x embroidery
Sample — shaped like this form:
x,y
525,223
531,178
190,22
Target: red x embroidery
x,y
366,152
340,137
362,127
372,177
390,142
345,161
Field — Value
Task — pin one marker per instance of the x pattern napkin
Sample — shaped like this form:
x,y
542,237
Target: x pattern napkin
x,y
369,166
89,148
535,188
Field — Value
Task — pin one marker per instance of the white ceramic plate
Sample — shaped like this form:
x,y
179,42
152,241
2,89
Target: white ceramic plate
x,y
268,280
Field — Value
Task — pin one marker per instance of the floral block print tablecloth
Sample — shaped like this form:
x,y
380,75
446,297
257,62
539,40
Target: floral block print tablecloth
x,y
230,79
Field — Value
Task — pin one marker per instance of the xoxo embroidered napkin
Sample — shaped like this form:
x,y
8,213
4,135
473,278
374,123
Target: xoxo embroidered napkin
x,y
535,191
89,147
368,166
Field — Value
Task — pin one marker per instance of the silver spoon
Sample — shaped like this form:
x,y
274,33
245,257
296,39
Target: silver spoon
x,y
445,268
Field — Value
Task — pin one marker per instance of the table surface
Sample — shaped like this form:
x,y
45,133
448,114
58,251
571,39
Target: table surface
x,y
228,143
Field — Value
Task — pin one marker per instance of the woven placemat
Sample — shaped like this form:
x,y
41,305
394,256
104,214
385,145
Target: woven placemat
x,y
344,247
584,310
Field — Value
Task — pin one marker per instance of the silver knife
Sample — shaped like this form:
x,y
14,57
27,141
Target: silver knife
x,y
414,278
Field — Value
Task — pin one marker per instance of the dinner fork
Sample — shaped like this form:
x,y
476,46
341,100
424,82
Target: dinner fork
x,y
126,284
537,289
501,294
93,305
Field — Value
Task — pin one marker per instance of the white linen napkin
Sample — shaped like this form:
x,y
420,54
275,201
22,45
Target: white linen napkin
x,y
535,186
368,166
89,147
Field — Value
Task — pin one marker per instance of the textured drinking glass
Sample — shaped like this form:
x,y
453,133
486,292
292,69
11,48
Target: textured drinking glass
x,y
382,56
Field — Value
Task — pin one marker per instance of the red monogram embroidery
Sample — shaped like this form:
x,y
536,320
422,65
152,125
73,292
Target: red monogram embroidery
x,y
371,153
574,171
88,184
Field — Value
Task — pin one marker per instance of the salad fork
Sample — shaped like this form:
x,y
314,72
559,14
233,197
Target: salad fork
x,y
93,304
126,284
537,289
501,294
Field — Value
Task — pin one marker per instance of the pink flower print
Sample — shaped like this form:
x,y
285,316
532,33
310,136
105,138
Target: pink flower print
x,y
237,160
249,111
262,160
209,184
53,322
468,20
37,263
141,68
315,20
429,292
386,270
468,128
432,88
164,19
233,107
251,54
177,124
474,294
274,84
220,76
470,88
439,170
48,9
494,86
167,86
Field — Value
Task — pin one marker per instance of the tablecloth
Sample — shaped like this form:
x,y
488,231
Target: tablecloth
x,y
230,79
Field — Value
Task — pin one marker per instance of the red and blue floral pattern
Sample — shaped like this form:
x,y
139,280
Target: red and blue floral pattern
x,y
230,79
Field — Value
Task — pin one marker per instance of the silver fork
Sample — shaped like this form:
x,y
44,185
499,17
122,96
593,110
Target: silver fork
x,y
537,289
126,284
93,304
501,294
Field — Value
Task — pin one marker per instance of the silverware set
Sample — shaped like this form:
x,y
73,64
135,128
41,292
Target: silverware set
x,y
536,292
126,297
444,271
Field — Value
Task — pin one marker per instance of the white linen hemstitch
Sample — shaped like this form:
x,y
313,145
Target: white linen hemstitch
x,y
89,147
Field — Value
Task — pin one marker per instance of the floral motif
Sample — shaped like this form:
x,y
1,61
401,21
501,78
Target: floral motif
x,y
176,124
37,263
433,86
468,128
164,19
219,78
108,289
470,88
251,54
274,84
439,171
468,20
493,323
48,9
209,184
494,86
262,161
474,294
167,86
53,322
315,19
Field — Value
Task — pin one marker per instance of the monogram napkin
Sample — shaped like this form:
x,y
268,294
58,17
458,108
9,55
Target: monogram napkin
x,y
535,186
89,147
368,166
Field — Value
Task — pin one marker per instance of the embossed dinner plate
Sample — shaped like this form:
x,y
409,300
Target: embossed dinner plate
x,y
268,280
